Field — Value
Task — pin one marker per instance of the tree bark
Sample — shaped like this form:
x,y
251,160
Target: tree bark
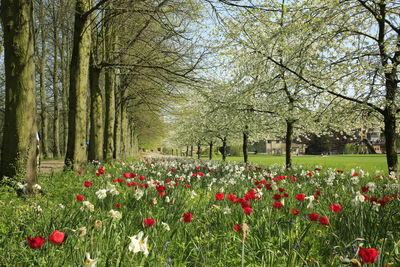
x,y
64,99
18,154
124,126
109,91
211,151
42,89
391,81
117,125
390,140
198,150
187,151
224,148
96,115
64,80
245,146
56,122
191,151
109,114
289,135
79,68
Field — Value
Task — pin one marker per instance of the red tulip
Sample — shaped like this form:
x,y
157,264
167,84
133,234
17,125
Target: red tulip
x,y
88,184
300,197
56,237
364,189
324,220
368,255
187,217
219,196
295,212
276,196
313,216
79,197
336,208
36,242
248,211
231,197
237,228
277,205
149,221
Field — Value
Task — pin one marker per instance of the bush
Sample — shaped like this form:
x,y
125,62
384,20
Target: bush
x,y
236,150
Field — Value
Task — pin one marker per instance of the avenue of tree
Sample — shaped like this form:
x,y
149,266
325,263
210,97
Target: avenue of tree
x,y
97,78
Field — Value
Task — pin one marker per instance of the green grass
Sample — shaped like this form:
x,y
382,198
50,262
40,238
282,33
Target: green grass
x,y
368,163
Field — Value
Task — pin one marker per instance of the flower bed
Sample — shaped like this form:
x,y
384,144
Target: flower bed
x,y
179,212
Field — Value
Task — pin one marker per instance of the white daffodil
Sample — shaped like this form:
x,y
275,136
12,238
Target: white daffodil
x,y
376,206
371,186
22,186
227,210
193,194
259,192
37,208
87,206
101,194
36,187
138,244
115,215
310,203
90,262
354,180
138,194
165,226
359,198
114,192
110,187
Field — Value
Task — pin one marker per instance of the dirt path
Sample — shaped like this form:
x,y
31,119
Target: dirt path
x,y
49,166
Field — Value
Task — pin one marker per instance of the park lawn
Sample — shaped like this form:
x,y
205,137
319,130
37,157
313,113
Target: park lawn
x,y
369,163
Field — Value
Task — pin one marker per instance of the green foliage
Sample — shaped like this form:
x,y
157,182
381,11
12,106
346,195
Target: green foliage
x,y
236,150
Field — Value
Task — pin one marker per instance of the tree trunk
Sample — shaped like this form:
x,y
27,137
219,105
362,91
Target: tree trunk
x,y
96,115
187,151
109,119
109,91
224,148
289,134
245,147
198,150
191,151
124,126
64,82
43,105
79,68
117,125
18,154
390,140
211,151
56,122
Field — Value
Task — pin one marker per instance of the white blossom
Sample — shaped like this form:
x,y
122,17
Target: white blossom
x,y
165,226
138,194
101,194
87,206
115,215
138,244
